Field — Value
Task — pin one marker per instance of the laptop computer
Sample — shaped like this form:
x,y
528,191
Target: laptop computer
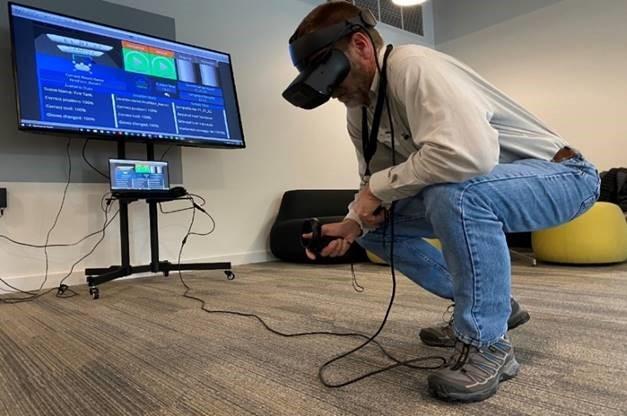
x,y
139,178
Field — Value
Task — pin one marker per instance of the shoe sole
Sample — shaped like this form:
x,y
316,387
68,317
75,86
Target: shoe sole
x,y
521,319
510,371
435,342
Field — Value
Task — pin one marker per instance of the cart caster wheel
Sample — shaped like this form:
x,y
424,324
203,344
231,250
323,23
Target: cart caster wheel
x,y
94,292
229,274
166,274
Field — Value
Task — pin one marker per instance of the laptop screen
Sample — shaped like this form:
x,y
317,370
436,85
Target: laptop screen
x,y
139,175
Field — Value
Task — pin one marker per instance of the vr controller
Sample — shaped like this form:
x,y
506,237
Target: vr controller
x,y
317,242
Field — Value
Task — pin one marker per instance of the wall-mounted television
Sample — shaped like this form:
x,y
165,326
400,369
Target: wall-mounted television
x,y
77,77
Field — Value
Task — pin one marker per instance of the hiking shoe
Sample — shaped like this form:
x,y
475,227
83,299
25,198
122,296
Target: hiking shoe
x,y
443,336
473,374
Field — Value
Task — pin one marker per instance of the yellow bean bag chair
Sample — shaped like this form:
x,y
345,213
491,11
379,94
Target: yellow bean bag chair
x,y
597,237
377,260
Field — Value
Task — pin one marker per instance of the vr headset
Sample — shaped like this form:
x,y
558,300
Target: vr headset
x,y
322,67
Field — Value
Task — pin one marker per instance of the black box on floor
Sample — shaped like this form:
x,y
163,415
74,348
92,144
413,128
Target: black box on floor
x,y
3,198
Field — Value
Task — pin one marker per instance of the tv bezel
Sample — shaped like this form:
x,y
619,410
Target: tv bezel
x,y
188,142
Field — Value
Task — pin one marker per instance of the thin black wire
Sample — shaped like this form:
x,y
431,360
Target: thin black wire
x,y
407,363
47,244
392,270
370,339
104,175
51,229
56,218
190,197
21,243
163,211
358,288
166,152
34,296
203,201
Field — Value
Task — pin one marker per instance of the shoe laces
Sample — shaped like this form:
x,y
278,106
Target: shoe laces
x,y
461,355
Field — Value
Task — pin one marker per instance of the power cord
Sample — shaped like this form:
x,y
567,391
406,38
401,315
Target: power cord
x,y
166,151
56,218
54,225
74,244
98,171
369,339
62,289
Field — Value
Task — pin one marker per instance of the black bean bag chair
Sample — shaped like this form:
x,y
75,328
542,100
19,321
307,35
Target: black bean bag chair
x,y
301,205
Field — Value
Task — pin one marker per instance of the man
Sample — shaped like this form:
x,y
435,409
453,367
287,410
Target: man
x,y
471,166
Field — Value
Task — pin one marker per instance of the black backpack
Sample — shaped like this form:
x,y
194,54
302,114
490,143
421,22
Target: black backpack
x,y
614,187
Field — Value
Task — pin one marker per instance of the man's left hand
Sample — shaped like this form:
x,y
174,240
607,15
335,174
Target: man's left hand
x,y
365,206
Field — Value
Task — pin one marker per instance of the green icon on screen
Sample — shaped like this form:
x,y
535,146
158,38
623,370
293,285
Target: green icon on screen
x,y
137,61
148,63
163,67
142,169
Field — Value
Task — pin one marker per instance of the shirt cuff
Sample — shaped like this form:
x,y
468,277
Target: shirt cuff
x,y
352,215
381,188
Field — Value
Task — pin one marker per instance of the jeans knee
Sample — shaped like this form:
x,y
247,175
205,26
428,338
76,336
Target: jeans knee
x,y
442,200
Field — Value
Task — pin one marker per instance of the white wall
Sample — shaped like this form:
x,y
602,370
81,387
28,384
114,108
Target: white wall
x,y
287,149
456,18
566,63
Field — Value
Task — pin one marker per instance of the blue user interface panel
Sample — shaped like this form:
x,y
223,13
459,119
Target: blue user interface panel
x,y
138,175
74,75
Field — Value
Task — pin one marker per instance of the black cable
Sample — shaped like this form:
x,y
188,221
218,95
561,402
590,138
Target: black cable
x,y
189,197
36,294
358,288
32,296
98,171
407,363
56,218
392,267
203,201
370,339
20,243
51,229
166,152
163,211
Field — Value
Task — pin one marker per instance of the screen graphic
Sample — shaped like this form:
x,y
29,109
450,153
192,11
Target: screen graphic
x,y
81,76
137,175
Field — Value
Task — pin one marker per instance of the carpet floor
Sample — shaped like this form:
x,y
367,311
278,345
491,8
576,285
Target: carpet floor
x,y
142,349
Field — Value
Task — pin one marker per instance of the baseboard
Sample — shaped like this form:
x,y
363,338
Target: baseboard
x,y
32,282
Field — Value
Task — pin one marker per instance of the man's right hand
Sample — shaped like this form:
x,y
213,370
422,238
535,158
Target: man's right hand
x,y
346,232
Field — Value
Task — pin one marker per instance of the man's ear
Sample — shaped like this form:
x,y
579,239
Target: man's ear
x,y
361,45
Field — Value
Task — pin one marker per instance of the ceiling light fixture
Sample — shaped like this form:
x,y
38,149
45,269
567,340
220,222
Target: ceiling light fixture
x,y
408,2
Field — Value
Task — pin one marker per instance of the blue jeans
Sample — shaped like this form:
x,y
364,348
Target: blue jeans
x,y
471,219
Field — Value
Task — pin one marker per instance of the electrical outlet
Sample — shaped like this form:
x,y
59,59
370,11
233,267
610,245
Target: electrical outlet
x,y
3,199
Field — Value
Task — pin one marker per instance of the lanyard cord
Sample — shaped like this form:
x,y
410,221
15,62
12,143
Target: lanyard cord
x,y
369,138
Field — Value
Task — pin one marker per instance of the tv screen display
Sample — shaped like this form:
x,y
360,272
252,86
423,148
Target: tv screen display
x,y
76,76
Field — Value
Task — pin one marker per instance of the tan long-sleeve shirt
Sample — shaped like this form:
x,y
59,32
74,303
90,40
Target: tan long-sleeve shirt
x,y
450,125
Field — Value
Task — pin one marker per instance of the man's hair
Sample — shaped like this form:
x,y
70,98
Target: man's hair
x,y
331,13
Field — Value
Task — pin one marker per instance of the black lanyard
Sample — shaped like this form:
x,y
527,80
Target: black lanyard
x,y
369,138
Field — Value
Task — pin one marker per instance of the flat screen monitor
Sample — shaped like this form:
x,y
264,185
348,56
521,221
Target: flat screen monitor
x,y
138,175
78,77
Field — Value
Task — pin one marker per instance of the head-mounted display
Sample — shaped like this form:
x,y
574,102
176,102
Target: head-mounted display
x,y
322,67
